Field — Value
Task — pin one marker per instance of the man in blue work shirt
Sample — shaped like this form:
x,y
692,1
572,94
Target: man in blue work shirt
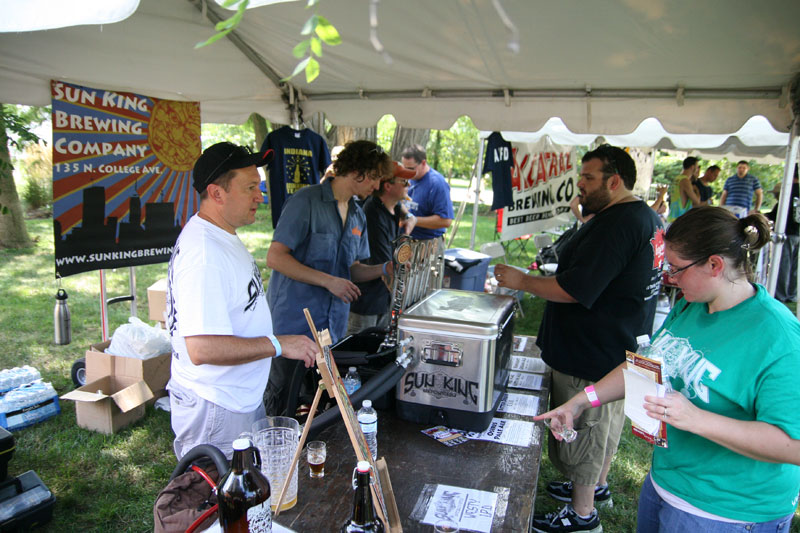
x,y
315,255
740,187
430,196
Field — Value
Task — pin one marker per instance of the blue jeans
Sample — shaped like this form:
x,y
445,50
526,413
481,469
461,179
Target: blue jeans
x,y
657,516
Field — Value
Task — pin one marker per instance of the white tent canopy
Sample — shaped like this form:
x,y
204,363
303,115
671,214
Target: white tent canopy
x,y
756,139
602,66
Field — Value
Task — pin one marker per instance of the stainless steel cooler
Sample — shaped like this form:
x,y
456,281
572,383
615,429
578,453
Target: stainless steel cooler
x,y
462,346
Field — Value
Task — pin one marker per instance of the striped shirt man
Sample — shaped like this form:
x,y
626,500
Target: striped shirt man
x,y
740,187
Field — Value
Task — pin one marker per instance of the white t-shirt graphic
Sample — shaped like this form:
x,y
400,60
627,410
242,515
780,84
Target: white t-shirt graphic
x,y
214,288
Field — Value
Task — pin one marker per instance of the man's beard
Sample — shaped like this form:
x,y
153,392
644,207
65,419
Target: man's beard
x,y
596,201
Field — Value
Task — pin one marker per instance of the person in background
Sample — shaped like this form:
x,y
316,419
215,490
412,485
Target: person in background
x,y
217,314
731,355
430,196
384,219
786,289
602,297
683,195
704,184
316,255
740,188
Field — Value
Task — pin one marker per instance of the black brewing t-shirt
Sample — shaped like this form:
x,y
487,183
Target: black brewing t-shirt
x,y
498,160
382,228
612,268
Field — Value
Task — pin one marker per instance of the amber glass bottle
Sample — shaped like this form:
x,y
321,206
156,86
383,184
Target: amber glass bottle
x,y
244,493
363,519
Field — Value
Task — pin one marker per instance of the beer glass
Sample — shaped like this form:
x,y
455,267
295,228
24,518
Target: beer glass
x,y
315,452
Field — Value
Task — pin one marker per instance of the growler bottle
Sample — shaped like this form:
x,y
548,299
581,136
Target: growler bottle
x,y
244,493
364,519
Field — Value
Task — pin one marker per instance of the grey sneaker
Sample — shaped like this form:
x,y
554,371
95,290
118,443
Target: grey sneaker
x,y
564,521
562,491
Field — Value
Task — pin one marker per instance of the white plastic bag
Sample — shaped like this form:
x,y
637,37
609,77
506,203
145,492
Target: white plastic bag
x,y
140,340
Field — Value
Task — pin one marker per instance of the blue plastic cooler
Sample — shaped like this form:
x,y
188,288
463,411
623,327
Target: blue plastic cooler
x,y
465,269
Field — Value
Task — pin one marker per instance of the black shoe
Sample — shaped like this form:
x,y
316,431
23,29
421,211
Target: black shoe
x,y
562,491
564,521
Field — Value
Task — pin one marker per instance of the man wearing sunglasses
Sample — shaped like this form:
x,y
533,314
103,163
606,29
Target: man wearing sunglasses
x,y
316,256
602,297
217,315
384,217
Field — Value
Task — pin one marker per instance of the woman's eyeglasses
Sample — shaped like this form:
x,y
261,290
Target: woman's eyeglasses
x,y
672,272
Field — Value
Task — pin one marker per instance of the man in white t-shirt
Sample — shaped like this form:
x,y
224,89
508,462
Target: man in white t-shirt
x,y
217,313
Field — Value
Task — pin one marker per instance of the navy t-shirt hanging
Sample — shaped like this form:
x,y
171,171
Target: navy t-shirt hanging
x,y
301,157
498,161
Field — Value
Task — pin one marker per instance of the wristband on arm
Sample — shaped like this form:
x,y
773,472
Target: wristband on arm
x,y
383,269
274,340
592,395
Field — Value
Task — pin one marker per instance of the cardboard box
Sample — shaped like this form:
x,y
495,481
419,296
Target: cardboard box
x,y
154,372
157,300
109,403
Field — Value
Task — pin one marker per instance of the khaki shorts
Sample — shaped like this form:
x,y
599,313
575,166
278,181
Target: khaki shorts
x,y
598,428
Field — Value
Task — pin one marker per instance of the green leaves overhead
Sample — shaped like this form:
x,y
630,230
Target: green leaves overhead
x,y
319,30
224,27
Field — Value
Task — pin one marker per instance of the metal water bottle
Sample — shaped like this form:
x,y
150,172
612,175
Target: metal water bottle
x,y
61,319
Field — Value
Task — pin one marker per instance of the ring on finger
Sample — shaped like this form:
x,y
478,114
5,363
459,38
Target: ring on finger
x,y
665,413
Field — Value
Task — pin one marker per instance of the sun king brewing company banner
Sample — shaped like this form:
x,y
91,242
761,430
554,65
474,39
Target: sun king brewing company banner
x,y
122,176
544,179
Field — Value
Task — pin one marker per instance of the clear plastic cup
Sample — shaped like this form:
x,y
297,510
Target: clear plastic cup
x,y
276,438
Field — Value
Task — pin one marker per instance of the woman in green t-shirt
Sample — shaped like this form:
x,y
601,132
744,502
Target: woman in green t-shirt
x,y
731,353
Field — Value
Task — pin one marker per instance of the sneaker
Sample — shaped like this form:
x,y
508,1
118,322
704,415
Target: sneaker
x,y
562,491
566,520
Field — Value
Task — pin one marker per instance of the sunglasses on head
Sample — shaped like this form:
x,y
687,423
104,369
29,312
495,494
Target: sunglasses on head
x,y
212,175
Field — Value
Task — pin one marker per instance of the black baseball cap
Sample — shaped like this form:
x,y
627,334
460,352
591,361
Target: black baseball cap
x,y
218,159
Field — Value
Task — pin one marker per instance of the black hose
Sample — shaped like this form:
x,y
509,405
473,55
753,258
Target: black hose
x,y
202,451
377,386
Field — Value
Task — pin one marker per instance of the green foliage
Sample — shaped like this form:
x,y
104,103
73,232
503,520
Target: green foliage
x,y
241,134
319,30
224,27
455,151
37,169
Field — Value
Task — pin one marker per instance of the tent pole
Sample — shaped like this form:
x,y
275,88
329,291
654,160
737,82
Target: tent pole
x,y
778,235
479,172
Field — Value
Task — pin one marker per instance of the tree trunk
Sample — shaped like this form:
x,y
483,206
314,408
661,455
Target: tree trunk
x,y
259,128
13,233
345,134
405,137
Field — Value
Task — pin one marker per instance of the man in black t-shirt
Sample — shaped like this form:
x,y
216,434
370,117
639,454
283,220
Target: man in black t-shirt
x,y
385,216
602,297
704,183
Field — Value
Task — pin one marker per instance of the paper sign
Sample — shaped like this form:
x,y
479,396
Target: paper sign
x,y
520,343
523,380
471,509
528,364
637,387
519,404
503,431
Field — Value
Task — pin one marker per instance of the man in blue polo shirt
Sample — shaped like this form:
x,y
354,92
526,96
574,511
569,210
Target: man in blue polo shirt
x,y
316,255
430,196
740,187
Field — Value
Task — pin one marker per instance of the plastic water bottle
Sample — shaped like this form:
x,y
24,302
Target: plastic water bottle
x,y
368,420
352,381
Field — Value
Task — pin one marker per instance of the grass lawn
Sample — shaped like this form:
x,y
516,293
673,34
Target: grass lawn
x,y
109,483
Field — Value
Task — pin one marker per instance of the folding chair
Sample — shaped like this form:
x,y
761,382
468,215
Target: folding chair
x,y
519,244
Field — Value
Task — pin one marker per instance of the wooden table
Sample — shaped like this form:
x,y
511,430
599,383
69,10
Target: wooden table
x,y
415,460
